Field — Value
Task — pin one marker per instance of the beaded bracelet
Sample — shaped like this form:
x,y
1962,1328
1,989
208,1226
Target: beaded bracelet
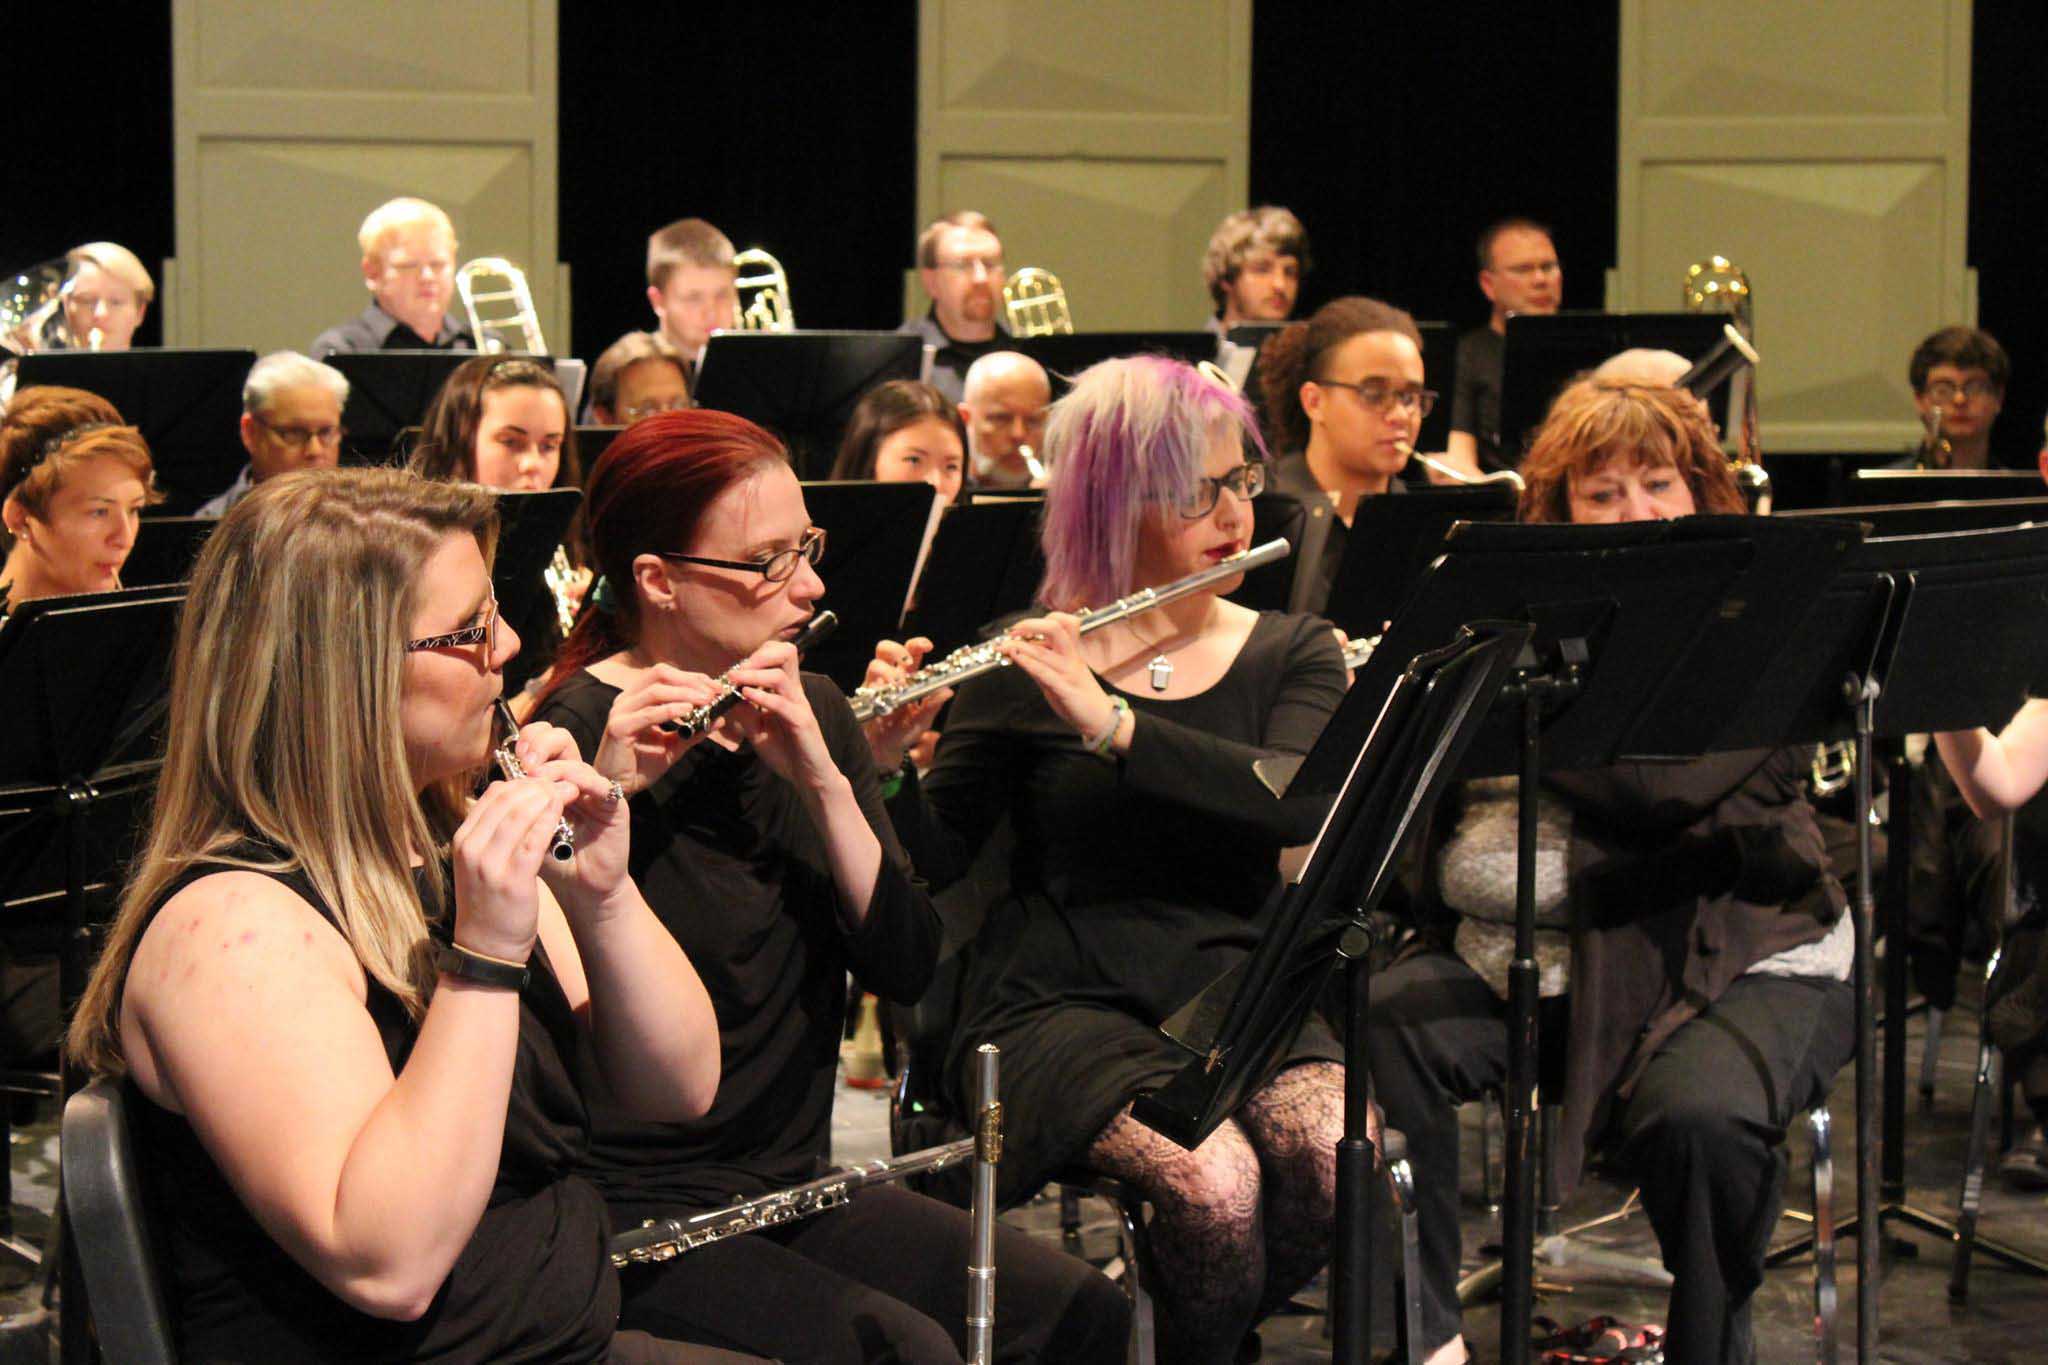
x,y
1099,744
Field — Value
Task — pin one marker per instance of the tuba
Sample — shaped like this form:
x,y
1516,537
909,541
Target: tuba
x,y
495,280
768,309
1036,304
29,299
1718,285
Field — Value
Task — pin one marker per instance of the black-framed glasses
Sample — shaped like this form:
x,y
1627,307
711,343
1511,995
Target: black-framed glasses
x,y
1945,391
298,438
779,567
1247,481
484,632
1376,393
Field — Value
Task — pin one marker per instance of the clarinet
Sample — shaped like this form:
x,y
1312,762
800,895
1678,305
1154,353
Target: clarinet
x,y
705,716
973,660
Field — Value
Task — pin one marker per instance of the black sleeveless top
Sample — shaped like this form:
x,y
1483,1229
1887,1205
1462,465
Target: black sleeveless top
x,y
534,1283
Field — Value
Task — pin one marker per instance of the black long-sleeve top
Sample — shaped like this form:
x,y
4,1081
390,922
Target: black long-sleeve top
x,y
733,865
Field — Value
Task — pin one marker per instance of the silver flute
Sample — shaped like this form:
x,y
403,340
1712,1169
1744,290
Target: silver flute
x,y
973,660
670,1237
563,847
981,1262
704,717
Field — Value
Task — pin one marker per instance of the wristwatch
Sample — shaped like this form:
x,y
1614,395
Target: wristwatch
x,y
452,959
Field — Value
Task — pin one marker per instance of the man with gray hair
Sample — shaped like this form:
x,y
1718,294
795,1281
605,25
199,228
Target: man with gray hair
x,y
291,420
1003,402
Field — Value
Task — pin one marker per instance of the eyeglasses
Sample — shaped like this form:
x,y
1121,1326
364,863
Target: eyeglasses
x,y
298,438
776,568
1247,481
653,406
1375,393
483,633
398,265
1945,391
988,265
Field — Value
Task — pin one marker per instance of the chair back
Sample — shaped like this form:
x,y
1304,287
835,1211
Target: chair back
x,y
109,1226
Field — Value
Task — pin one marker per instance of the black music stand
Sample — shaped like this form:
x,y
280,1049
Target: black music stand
x,y
984,564
1440,370
1941,485
531,527
165,548
802,386
1392,540
1065,356
873,533
187,404
1282,516
1399,749
389,393
592,443
1934,518
1539,354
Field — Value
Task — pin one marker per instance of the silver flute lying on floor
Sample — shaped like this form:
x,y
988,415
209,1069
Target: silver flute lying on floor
x,y
973,660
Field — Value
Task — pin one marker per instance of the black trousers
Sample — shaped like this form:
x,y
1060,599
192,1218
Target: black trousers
x,y
883,1278
1703,1132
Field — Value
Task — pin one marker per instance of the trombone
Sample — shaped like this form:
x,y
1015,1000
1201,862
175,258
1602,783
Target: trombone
x,y
495,280
769,309
1718,285
1035,303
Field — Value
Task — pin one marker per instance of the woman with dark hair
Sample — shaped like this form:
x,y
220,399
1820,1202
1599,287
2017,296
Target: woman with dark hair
x,y
504,423
1344,401
1144,846
73,483
1693,951
345,990
905,432
764,848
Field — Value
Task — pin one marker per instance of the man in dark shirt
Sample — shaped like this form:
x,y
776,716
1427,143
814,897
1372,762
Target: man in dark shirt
x,y
960,264
692,288
409,268
1959,376
1518,273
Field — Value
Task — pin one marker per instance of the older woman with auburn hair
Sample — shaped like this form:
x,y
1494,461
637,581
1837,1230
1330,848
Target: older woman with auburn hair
x,y
1693,950
346,992
1145,846
73,483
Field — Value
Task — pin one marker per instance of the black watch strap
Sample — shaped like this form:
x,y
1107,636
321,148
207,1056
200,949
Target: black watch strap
x,y
452,959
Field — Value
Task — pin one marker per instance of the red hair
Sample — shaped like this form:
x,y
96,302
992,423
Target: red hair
x,y
647,495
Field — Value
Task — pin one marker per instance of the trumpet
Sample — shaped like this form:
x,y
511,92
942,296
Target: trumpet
x,y
705,716
1457,475
971,661
1035,303
769,309
563,846
512,289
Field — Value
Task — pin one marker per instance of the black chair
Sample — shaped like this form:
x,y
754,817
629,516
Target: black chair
x,y
109,1228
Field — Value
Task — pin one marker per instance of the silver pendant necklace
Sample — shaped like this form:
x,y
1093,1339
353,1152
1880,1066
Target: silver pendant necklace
x,y
1162,673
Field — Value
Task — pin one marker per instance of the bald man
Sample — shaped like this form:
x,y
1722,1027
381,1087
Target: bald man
x,y
1650,368
1003,403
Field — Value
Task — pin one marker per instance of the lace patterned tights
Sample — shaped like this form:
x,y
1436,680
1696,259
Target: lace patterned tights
x,y
1243,1221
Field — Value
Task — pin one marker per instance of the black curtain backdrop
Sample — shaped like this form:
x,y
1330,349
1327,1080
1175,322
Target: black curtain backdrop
x,y
1395,133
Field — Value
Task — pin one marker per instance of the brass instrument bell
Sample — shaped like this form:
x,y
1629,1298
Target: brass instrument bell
x,y
1718,285
1036,304
768,308
494,280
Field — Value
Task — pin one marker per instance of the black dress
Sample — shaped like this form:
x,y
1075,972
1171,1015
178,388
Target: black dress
x,y
733,865
533,1284
1133,885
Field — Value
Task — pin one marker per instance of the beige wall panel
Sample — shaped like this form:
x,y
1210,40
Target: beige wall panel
x,y
460,46
1123,236
1105,140
294,121
1825,149
486,190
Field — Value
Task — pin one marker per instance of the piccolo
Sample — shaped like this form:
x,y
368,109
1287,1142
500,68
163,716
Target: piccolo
x,y
564,846
705,716
973,660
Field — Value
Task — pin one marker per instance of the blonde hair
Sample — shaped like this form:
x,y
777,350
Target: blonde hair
x,y
116,260
686,241
284,723
393,214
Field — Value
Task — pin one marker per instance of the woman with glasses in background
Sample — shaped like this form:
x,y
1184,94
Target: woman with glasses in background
x,y
638,375
1145,846
764,848
1344,401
